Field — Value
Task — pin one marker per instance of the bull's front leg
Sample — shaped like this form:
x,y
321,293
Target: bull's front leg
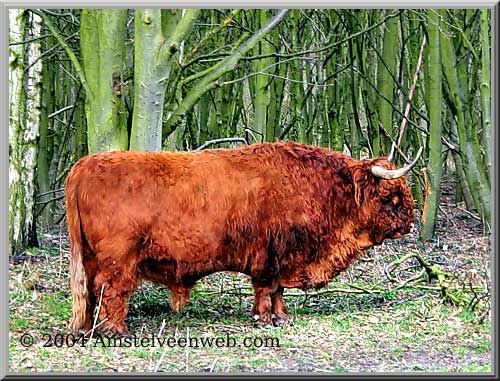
x,y
179,297
262,308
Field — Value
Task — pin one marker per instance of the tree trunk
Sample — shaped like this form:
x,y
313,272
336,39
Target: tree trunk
x,y
387,67
333,106
102,39
24,119
297,76
261,96
434,102
158,35
474,168
43,158
486,90
203,116
459,169
277,85
369,95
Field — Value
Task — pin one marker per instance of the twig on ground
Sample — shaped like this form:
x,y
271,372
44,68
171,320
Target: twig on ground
x,y
448,219
213,365
475,216
97,314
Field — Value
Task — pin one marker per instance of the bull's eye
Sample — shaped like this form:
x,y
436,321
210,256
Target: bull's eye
x,y
395,201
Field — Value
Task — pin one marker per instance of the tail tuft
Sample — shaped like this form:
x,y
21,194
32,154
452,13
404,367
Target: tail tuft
x,y
77,270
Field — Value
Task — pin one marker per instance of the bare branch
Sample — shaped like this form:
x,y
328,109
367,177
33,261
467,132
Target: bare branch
x,y
410,93
55,113
49,192
221,140
30,40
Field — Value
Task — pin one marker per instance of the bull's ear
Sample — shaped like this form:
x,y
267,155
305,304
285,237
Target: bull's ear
x,y
363,181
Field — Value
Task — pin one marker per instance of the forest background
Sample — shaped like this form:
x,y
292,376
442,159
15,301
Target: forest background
x,y
359,81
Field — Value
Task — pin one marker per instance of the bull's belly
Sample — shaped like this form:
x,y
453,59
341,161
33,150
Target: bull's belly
x,y
311,276
304,282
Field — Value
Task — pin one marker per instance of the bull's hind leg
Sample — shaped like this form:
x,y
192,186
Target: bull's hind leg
x,y
279,312
115,281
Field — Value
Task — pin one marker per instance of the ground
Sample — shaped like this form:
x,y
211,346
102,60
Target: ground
x,y
373,318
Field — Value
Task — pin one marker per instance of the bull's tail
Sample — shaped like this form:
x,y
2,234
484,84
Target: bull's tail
x,y
77,270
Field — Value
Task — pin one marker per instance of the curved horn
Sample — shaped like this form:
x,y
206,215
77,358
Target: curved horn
x,y
391,154
390,174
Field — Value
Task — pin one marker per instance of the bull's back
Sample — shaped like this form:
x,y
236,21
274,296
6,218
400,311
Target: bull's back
x,y
181,202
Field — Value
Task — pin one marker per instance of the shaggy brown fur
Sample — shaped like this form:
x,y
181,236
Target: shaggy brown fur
x,y
286,214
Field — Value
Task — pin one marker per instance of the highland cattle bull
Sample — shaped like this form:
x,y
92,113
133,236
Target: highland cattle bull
x,y
285,214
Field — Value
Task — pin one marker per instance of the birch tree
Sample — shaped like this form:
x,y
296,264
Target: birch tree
x,y
24,113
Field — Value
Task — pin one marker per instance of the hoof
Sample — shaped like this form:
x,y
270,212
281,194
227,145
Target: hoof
x,y
262,322
281,320
112,331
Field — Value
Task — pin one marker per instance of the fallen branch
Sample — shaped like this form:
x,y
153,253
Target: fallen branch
x,y
476,217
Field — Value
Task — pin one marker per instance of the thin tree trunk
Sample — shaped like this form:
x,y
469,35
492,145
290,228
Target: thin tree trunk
x,y
236,110
486,90
333,107
277,85
261,96
387,67
369,96
355,126
43,158
434,102
459,169
204,113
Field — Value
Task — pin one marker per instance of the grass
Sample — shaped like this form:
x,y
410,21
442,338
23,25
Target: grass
x,y
410,329
340,334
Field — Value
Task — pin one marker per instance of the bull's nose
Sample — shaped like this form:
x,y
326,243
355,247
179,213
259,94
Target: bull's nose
x,y
412,227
